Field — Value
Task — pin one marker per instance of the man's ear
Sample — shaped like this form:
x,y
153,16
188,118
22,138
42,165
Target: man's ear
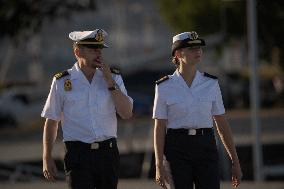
x,y
177,53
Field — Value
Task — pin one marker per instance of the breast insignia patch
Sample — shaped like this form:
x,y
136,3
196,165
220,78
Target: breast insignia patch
x,y
67,85
210,76
165,78
61,74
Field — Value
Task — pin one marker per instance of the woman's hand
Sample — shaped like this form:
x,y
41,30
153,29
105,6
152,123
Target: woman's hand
x,y
236,174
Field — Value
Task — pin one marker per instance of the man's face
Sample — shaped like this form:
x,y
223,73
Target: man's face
x,y
92,57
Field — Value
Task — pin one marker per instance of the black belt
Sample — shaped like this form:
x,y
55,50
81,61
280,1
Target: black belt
x,y
201,131
103,145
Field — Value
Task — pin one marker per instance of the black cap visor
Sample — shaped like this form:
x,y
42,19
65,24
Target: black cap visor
x,y
94,46
92,43
187,43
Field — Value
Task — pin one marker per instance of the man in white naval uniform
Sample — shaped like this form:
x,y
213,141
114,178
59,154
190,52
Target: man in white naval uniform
x,y
85,99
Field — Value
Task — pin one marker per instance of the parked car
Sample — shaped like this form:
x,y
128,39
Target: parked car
x,y
20,106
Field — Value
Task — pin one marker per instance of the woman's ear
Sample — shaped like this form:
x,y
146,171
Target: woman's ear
x,y
77,52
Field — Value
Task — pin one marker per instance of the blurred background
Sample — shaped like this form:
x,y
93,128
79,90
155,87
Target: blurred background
x,y
34,45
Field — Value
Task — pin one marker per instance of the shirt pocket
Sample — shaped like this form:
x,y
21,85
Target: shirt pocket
x,y
205,104
75,104
177,108
106,104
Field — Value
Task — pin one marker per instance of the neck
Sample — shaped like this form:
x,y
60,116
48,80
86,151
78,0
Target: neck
x,y
89,73
187,72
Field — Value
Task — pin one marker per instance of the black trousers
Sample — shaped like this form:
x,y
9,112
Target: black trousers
x,y
92,166
193,160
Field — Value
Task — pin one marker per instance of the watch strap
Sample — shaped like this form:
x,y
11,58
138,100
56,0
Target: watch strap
x,y
114,87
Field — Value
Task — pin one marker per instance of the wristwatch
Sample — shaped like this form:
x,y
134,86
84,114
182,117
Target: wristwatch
x,y
114,87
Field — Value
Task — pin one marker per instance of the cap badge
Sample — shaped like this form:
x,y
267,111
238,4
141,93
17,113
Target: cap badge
x,y
193,35
99,36
67,85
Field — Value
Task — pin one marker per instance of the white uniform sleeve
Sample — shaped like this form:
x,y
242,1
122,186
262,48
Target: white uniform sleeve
x,y
218,106
54,103
120,83
160,105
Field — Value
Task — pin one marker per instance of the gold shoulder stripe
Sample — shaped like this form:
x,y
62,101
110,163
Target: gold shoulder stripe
x,y
115,71
61,74
210,76
162,80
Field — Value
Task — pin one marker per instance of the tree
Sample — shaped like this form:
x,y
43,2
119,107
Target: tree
x,y
191,15
23,19
229,17
20,16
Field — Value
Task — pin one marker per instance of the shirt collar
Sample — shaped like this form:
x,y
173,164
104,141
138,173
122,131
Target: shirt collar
x,y
75,71
196,79
177,76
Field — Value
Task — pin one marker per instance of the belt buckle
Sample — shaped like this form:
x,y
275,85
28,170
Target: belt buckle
x,y
191,131
95,146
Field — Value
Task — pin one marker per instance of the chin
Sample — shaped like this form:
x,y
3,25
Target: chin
x,y
198,60
93,67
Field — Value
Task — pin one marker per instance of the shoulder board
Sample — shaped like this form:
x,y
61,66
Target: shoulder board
x,y
115,71
61,74
210,76
165,78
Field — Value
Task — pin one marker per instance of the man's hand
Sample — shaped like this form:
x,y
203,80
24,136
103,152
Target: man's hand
x,y
49,169
162,177
107,74
236,174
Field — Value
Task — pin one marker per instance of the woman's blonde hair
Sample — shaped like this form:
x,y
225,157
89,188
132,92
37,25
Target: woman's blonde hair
x,y
175,61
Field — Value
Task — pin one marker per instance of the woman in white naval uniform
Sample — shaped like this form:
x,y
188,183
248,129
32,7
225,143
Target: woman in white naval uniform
x,y
185,106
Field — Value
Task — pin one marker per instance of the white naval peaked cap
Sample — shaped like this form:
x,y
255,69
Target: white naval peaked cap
x,y
186,39
185,35
95,37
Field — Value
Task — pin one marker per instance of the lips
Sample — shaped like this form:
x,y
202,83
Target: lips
x,y
97,61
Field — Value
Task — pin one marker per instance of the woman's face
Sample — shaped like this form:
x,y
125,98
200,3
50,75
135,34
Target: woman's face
x,y
191,55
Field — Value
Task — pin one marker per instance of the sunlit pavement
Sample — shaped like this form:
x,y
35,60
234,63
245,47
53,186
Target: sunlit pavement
x,y
138,184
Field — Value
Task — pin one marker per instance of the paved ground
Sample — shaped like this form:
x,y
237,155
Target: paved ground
x,y
140,184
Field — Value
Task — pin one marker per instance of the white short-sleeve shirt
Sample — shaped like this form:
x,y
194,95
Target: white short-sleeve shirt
x,y
188,107
87,112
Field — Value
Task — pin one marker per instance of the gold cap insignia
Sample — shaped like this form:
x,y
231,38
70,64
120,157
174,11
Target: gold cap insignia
x,y
67,85
99,36
193,35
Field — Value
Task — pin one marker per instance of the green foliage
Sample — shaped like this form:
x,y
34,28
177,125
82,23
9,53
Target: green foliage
x,y
17,16
228,17
202,16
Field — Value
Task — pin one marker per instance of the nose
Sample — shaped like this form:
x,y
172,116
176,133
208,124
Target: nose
x,y
99,52
198,50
